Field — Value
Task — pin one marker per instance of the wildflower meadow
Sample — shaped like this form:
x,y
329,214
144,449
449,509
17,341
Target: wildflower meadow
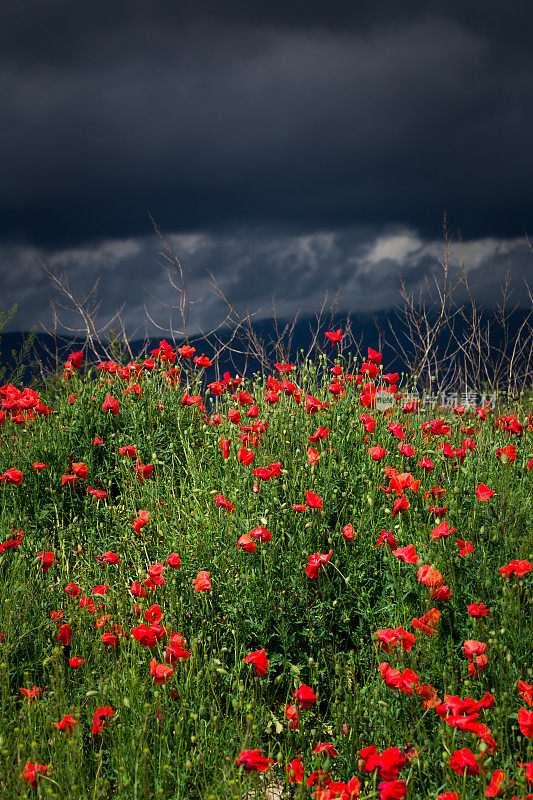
x,y
263,588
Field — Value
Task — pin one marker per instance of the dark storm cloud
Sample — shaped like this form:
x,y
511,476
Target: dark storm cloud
x,y
252,266
298,117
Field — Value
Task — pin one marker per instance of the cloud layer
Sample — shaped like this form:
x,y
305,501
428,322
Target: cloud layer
x,y
293,148
253,268
291,116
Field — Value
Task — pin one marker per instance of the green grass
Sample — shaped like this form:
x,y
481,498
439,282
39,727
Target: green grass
x,y
182,738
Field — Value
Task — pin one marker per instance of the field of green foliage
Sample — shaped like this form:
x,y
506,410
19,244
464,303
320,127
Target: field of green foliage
x,y
219,589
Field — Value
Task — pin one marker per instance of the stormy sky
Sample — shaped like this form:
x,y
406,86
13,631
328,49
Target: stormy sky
x,y
291,148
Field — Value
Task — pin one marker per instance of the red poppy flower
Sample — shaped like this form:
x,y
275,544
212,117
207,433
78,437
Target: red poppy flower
x,y
436,492
528,766
137,590
32,773
186,351
247,543
370,756
173,560
175,652
245,456
68,723
386,638
429,576
390,763
368,369
72,589
304,696
299,507
334,336
464,761
386,538
109,558
155,571
76,662
313,500
110,639
477,610
202,361
426,465
69,479
483,492
31,694
261,533
327,748
312,456
407,554
100,715
143,470
320,433
111,405
496,785
352,789
221,501
271,398
202,582
526,692
348,532
368,397
141,520
46,559
224,446
259,660
294,769
442,531
375,356
440,593
86,602
318,778
97,441
509,452
368,422
316,563
253,760
525,722
377,453
406,639
98,493
400,504
518,567
406,450
38,467
144,635
464,547
76,359
284,368
79,469
153,614
64,635
291,712
473,648
161,673
13,476
427,622
265,473
392,790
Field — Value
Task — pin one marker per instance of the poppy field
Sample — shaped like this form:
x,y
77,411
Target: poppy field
x,y
219,588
